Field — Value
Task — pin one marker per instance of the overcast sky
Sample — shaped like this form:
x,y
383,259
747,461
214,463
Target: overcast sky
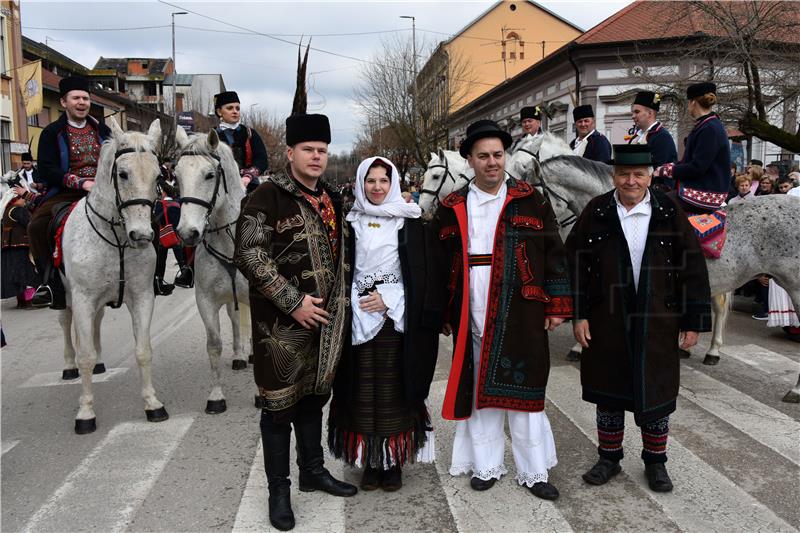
x,y
262,69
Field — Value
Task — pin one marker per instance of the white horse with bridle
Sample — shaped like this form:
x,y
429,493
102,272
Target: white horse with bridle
x,y
211,196
109,259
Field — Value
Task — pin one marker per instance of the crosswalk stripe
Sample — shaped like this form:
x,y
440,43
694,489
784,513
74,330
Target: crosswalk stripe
x,y
313,511
8,445
703,499
767,361
53,379
769,426
109,485
506,507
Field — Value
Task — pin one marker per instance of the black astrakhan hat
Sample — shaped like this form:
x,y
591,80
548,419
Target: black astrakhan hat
x,y
304,128
583,111
648,99
699,89
228,97
482,129
534,112
27,156
632,154
73,83
757,162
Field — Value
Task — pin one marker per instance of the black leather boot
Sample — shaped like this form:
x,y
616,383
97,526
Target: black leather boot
x,y
185,278
275,439
51,293
313,475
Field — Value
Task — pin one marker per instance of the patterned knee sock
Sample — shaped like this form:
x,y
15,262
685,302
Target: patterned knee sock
x,y
654,441
610,432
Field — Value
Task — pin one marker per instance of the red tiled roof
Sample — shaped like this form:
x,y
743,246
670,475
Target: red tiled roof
x,y
653,19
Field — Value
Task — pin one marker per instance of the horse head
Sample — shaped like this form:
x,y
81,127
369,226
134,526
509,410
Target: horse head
x,y
127,172
208,179
446,172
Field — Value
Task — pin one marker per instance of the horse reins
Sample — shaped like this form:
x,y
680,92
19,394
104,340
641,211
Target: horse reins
x,y
225,261
114,223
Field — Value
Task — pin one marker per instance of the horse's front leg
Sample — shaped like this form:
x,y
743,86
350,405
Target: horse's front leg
x,y
719,305
209,313
239,362
83,317
70,368
141,310
99,366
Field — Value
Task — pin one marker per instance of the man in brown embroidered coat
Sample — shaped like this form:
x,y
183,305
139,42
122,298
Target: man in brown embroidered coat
x,y
289,244
508,285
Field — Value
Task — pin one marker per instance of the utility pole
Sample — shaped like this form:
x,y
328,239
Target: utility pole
x,y
175,76
414,53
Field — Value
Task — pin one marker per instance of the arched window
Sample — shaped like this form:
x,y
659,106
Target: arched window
x,y
514,45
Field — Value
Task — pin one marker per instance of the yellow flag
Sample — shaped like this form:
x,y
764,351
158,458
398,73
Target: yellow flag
x,y
30,84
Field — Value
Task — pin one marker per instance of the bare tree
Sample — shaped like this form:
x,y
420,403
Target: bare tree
x,y
750,49
272,130
386,97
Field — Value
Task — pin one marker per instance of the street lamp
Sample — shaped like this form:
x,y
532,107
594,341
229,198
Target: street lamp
x,y
250,117
414,53
175,75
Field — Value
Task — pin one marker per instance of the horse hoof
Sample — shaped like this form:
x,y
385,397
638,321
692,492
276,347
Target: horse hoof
x,y
239,364
684,354
70,373
574,355
156,415
250,359
791,397
711,360
99,368
215,407
84,427
260,403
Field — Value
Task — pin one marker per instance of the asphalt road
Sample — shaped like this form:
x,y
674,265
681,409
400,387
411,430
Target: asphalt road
x,y
734,446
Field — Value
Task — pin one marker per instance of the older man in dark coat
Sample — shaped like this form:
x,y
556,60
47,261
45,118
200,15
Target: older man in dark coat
x,y
641,291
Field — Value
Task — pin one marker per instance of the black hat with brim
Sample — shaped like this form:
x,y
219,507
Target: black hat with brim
x,y
483,129
534,112
648,99
699,89
228,97
73,83
582,111
27,156
307,128
757,162
632,155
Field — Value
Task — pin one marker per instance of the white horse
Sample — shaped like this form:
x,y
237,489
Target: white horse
x,y
211,196
109,259
760,236
545,146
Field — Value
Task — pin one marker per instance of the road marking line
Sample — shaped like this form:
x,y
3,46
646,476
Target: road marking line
x,y
475,511
110,484
764,424
52,379
313,511
765,360
8,445
703,499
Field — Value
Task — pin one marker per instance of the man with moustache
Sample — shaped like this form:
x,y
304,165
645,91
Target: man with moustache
x,y
290,245
508,286
69,150
589,143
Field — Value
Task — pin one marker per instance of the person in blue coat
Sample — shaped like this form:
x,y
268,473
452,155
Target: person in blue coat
x,y
702,177
647,130
589,143
248,148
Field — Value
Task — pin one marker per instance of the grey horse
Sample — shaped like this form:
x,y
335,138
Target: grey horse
x,y
108,238
211,197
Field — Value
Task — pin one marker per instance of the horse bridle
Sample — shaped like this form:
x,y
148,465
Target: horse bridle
x,y
227,262
447,175
547,191
117,222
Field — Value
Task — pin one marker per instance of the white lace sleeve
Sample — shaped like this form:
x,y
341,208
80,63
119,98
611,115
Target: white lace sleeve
x,y
393,296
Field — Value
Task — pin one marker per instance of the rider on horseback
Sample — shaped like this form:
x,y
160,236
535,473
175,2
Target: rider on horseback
x,y
69,149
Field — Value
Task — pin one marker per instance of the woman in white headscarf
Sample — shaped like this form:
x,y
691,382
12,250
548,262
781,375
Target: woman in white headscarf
x,y
378,417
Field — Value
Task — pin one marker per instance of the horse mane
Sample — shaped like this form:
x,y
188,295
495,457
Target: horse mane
x,y
601,171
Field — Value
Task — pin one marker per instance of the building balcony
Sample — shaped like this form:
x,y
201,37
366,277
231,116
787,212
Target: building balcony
x,y
148,99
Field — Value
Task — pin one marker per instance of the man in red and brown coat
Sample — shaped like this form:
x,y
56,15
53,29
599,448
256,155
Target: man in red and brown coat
x,y
641,291
509,286
289,245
